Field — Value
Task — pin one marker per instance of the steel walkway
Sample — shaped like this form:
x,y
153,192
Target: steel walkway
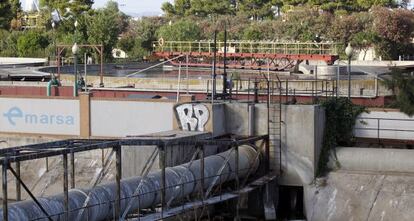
x,y
245,54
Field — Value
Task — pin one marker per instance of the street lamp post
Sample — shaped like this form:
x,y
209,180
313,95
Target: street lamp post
x,y
54,41
75,50
349,51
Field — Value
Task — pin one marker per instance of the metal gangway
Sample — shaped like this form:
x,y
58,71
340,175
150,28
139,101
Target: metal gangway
x,y
257,55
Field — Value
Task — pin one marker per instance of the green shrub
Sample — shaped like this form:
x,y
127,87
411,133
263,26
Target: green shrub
x,y
340,117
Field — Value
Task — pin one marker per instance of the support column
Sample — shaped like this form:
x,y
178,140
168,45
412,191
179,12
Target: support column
x,y
118,182
163,183
101,83
18,186
72,170
65,187
236,159
85,114
4,187
267,155
186,98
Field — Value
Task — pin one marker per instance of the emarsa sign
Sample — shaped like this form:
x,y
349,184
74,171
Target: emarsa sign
x,y
16,116
39,116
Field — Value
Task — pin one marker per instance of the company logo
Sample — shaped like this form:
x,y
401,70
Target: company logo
x,y
15,115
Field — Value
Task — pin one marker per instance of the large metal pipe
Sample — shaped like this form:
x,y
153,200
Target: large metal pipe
x,y
181,181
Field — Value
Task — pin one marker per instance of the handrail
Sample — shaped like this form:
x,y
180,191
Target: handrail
x,y
378,127
269,47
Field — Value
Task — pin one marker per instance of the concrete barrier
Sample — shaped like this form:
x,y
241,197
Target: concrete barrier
x,y
376,160
12,61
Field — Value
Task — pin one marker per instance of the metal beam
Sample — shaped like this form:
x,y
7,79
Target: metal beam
x,y
30,194
18,186
163,183
72,170
118,182
4,187
65,187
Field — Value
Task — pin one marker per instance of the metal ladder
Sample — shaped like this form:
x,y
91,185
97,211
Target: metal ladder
x,y
275,124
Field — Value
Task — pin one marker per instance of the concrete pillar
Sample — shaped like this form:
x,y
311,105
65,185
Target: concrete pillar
x,y
85,114
185,98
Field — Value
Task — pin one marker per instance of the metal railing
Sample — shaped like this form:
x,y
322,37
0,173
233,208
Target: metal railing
x,y
266,47
384,128
255,89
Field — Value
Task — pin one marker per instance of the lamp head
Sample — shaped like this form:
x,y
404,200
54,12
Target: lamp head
x,y
75,49
349,50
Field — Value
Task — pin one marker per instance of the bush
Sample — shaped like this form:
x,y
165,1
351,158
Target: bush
x,y
340,117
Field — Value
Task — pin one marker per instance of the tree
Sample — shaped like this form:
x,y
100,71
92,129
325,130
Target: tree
x,y
76,7
348,5
168,9
137,40
367,4
182,30
210,8
364,41
104,27
252,33
6,14
304,24
179,8
8,43
396,25
395,30
345,27
16,8
256,9
402,85
32,44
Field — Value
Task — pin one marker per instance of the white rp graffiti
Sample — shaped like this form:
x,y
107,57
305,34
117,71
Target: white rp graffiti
x,y
192,117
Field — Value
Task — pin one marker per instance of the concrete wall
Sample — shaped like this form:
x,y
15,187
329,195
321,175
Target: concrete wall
x,y
375,159
18,140
237,115
391,123
302,134
110,118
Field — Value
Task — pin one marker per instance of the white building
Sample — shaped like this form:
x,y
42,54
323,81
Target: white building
x,y
30,5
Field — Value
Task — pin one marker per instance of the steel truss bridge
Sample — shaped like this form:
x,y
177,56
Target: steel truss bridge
x,y
277,56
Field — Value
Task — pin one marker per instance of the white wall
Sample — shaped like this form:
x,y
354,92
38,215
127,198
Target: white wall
x,y
123,118
39,116
394,127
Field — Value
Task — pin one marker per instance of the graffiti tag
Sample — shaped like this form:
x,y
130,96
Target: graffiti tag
x,y
192,117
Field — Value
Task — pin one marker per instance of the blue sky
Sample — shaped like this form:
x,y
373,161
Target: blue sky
x,y
131,6
136,6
